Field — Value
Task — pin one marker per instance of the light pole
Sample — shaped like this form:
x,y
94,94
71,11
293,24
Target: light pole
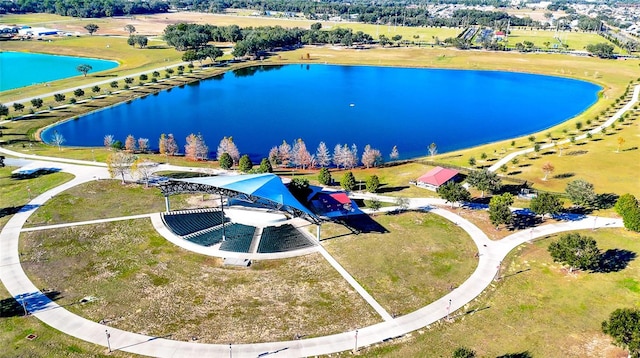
x,y
355,349
448,309
24,306
106,332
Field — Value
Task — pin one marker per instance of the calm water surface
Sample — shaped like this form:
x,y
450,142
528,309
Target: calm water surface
x,y
380,106
19,69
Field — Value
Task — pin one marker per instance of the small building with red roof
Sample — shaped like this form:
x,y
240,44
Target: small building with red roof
x,y
333,204
436,177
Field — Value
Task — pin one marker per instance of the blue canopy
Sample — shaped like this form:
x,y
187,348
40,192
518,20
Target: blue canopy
x,y
265,186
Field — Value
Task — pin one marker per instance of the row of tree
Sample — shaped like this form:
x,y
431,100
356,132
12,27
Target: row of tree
x,y
85,8
286,155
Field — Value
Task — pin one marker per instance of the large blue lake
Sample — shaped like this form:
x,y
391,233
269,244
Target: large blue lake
x,y
381,106
20,69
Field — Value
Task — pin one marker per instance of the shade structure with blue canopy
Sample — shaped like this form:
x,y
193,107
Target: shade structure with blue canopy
x,y
266,189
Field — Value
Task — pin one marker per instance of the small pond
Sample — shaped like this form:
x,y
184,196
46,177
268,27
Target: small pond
x,y
20,69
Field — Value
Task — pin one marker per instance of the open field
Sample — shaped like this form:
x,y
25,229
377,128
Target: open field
x,y
14,193
186,295
575,40
419,260
538,308
15,328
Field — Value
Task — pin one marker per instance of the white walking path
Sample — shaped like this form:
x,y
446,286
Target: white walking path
x,y
90,222
367,297
607,123
491,253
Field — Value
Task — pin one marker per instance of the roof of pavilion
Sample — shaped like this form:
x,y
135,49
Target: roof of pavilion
x,y
438,176
265,188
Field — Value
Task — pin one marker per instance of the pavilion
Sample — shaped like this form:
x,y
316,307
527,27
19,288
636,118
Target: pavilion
x,y
436,177
262,190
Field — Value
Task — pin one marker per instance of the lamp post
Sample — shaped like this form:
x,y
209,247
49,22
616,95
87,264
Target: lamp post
x,y
355,349
24,306
106,332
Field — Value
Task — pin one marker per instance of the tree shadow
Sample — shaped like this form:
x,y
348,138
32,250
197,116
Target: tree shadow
x,y
524,219
388,189
32,302
524,354
515,172
563,175
630,149
16,209
606,200
524,165
34,174
614,260
513,189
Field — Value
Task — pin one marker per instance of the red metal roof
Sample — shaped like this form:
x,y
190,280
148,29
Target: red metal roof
x,y
342,198
438,176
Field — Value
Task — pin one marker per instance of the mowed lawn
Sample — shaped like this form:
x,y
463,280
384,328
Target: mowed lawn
x,y
419,259
575,40
115,200
537,308
143,283
15,327
14,192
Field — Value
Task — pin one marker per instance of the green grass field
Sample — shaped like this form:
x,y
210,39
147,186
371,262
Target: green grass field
x,y
416,262
538,308
14,193
575,40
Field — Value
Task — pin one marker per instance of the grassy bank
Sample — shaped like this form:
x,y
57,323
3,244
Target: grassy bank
x,y
537,308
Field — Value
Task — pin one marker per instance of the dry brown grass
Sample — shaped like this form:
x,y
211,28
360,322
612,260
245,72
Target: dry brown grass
x,y
144,284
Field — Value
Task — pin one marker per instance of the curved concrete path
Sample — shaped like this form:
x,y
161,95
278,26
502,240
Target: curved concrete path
x,y
491,254
607,123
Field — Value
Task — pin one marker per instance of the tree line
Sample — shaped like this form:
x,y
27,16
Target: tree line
x,y
85,8
386,12
195,38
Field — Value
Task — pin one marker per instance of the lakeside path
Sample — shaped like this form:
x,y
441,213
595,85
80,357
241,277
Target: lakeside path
x,y
607,123
491,254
